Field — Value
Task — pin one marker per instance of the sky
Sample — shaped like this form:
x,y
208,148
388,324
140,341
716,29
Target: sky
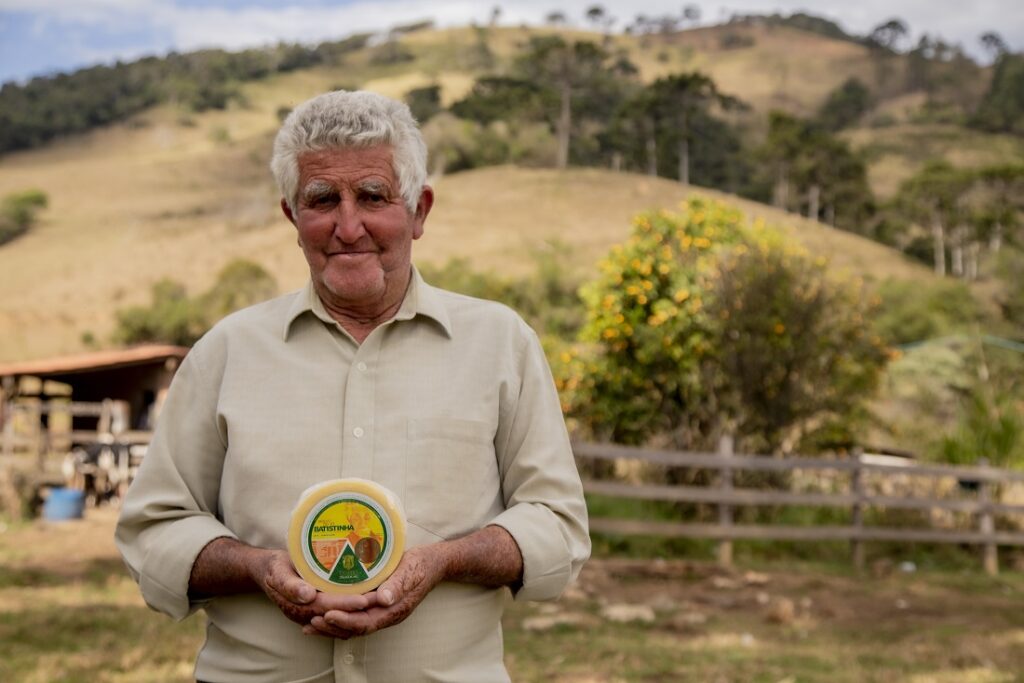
x,y
41,37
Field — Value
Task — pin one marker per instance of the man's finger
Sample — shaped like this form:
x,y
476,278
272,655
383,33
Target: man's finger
x,y
290,585
346,603
318,626
358,623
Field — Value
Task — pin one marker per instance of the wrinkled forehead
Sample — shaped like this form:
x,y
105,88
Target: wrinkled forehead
x,y
347,164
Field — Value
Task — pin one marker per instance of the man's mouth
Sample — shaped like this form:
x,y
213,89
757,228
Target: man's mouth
x,y
351,254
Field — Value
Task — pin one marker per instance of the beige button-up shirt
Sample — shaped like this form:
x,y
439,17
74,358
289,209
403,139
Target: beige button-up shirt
x,y
450,405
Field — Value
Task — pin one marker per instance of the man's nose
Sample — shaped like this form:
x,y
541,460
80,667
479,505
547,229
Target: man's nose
x,y
348,223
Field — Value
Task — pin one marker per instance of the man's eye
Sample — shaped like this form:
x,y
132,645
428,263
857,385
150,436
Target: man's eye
x,y
375,198
322,200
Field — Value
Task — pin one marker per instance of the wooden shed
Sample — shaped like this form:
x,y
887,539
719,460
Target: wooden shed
x,y
137,378
83,420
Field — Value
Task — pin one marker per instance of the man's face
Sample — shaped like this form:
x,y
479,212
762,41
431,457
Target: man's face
x,y
354,228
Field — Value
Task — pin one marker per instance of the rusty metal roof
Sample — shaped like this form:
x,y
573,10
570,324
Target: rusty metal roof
x,y
92,361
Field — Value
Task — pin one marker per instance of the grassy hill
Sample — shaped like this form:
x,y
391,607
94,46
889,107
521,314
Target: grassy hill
x,y
123,215
176,194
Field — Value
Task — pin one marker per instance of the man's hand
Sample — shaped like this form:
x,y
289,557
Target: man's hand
x,y
416,575
296,599
228,567
487,557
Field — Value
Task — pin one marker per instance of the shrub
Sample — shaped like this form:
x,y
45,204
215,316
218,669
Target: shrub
x,y
175,318
700,324
18,213
911,311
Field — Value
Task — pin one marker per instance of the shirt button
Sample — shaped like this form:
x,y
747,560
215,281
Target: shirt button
x,y
361,366
358,432
348,658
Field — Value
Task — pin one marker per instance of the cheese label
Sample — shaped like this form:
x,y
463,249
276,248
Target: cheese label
x,y
347,538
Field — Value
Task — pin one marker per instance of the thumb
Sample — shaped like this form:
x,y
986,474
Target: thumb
x,y
286,581
387,593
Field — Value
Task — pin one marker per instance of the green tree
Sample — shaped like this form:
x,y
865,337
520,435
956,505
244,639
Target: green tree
x,y
801,155
781,150
566,70
932,198
888,34
845,105
424,102
1002,108
502,98
677,100
19,212
700,325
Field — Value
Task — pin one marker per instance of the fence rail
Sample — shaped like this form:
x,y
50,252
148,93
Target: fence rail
x,y
984,480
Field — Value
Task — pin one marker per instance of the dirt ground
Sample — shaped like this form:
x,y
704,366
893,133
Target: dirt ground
x,y
624,620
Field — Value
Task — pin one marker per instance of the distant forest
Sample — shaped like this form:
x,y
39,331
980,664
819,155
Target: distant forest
x,y
48,107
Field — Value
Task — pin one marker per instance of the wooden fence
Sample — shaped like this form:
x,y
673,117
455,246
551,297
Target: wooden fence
x,y
981,485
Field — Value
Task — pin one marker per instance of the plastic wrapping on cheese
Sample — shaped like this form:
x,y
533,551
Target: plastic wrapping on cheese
x,y
346,535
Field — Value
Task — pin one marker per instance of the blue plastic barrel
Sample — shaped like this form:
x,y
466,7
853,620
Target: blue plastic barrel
x,y
63,504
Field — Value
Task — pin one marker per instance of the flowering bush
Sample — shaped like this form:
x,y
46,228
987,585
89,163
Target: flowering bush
x,y
701,324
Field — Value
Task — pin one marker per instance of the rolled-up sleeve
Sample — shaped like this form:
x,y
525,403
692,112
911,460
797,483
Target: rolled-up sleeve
x,y
170,512
545,510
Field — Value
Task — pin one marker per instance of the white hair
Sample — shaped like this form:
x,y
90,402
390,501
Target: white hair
x,y
341,119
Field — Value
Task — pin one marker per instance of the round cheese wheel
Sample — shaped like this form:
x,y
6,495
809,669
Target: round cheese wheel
x,y
346,535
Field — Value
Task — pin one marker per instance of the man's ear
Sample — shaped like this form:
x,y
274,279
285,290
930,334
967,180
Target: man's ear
x,y
423,206
287,210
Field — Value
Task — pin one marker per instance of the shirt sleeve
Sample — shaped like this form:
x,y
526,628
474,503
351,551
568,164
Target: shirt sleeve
x,y
545,510
170,511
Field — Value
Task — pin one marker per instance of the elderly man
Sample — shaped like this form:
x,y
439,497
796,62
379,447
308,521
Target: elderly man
x,y
366,372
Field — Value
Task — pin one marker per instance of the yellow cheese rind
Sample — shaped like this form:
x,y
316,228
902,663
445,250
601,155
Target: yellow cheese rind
x,y
327,498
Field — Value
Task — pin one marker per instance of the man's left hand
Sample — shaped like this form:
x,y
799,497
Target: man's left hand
x,y
419,571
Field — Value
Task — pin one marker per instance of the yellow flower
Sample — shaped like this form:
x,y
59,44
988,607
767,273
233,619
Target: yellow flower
x,y
779,328
608,301
610,333
681,295
702,243
632,290
647,284
664,269
641,299
620,318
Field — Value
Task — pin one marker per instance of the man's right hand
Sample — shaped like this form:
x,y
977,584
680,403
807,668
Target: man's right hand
x,y
229,567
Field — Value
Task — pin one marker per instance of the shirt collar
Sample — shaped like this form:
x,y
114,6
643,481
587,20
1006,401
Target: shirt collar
x,y
420,299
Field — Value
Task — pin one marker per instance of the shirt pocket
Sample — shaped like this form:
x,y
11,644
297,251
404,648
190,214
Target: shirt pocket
x,y
451,479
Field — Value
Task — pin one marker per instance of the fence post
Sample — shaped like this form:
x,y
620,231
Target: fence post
x,y
986,524
725,451
857,510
